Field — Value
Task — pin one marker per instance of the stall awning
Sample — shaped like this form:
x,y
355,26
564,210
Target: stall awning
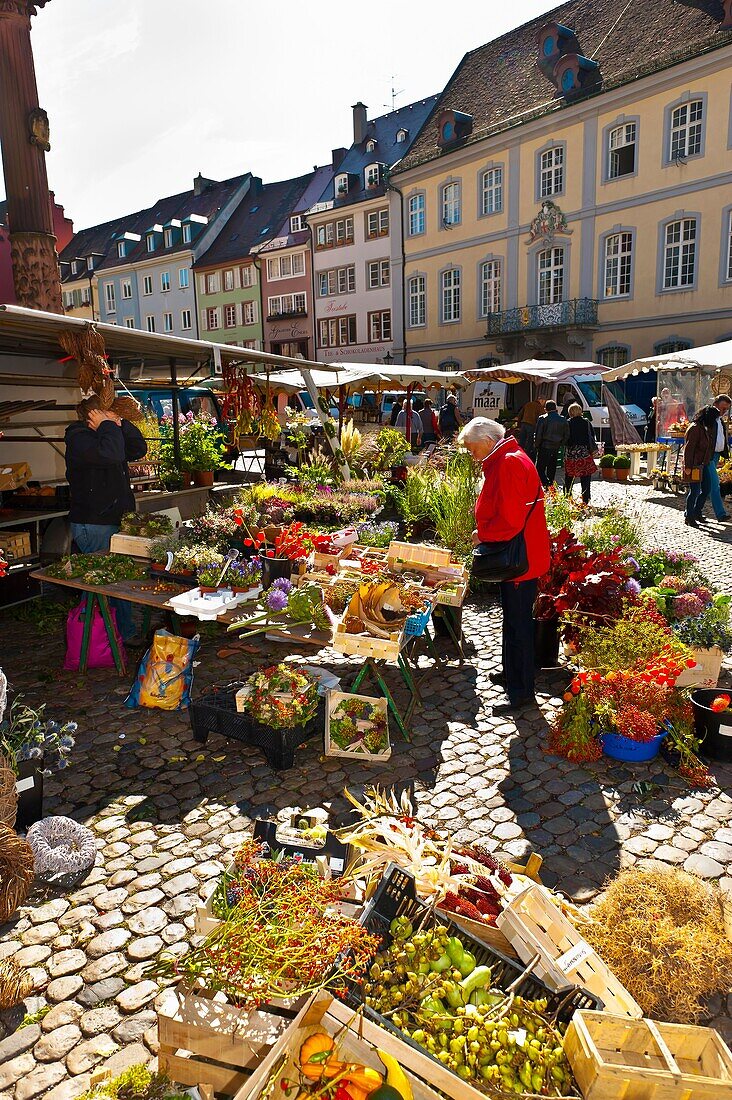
x,y
709,359
532,370
399,376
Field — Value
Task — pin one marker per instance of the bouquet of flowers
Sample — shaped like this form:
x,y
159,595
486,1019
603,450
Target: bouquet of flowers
x,y
283,602
293,542
26,734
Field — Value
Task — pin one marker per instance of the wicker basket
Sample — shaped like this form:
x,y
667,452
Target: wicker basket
x,y
8,793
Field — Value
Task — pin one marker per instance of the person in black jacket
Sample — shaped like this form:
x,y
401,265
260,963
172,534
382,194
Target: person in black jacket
x,y
552,432
578,458
98,449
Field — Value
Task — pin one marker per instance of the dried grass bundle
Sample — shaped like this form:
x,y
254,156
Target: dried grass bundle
x,y
16,872
663,935
15,984
87,347
128,409
8,793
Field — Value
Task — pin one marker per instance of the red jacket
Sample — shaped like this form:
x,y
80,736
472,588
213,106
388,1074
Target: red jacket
x,y
510,487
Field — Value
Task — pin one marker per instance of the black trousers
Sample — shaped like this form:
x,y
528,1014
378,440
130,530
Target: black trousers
x,y
546,464
517,650
584,482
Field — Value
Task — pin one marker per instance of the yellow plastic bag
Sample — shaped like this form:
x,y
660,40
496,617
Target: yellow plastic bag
x,y
165,675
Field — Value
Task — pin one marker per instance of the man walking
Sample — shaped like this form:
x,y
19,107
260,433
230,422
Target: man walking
x,y
526,422
552,433
450,419
710,476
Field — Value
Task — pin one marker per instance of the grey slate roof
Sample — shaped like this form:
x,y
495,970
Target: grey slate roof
x,y
500,84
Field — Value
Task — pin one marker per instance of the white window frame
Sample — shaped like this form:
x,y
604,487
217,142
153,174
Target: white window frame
x,y
126,289
213,318
621,137
416,214
121,249
372,175
167,322
491,190
378,274
450,295
229,279
451,203
230,315
110,298
378,321
147,285
551,172
377,223
551,271
296,223
417,300
251,313
213,282
184,278
686,130
618,265
167,238
186,233
490,287
679,273
150,243
150,322
336,332
186,320
248,275
129,322
341,184
164,282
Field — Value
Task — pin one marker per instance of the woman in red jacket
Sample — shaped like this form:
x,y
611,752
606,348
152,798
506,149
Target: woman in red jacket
x,y
511,486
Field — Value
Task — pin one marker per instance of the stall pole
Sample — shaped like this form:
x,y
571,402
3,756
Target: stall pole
x,y
333,443
176,412
341,410
409,413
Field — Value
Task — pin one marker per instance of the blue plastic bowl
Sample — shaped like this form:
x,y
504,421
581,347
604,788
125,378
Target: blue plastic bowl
x,y
618,747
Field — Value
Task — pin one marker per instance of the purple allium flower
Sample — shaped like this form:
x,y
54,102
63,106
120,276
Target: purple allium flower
x,y
632,586
276,599
283,585
633,564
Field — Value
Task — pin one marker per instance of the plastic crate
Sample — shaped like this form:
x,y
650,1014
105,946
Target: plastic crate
x,y
416,624
396,896
215,712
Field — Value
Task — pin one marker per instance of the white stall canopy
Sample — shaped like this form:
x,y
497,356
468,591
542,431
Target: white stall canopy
x,y
532,370
709,359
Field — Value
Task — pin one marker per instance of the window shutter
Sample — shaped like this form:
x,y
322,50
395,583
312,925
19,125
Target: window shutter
x,y
202,284
237,278
204,319
239,314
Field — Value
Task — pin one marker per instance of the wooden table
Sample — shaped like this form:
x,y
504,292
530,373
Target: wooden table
x,y
98,595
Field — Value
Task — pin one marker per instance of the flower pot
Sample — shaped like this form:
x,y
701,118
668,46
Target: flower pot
x,y
204,479
274,568
30,793
607,473
713,729
208,590
705,673
546,643
618,747
621,474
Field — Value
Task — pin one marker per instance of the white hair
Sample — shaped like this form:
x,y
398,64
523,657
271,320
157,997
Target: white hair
x,y
480,427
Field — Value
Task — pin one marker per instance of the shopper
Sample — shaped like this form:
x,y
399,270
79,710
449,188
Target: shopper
x,y
511,500
526,423
450,418
395,410
552,433
651,421
98,449
698,451
578,457
415,429
710,476
430,426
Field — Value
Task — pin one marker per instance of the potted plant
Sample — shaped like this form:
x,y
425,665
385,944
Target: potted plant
x,y
245,576
36,747
208,577
621,467
286,605
606,464
293,544
708,636
202,447
159,550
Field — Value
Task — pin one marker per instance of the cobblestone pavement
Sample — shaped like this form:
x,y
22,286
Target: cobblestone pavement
x,y
168,813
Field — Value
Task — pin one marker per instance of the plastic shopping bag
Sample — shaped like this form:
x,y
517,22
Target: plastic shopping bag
x,y
100,652
165,676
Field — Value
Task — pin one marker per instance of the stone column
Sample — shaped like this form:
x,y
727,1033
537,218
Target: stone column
x,y
24,139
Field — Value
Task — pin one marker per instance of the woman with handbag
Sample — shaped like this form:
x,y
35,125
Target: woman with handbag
x,y
700,439
581,446
512,547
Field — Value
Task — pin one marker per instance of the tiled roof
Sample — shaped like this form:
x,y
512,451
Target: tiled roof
x,y
98,239
388,150
257,219
500,84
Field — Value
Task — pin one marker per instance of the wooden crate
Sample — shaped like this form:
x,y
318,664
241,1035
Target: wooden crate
x,y
705,672
320,561
358,1040
134,545
15,544
206,1041
536,926
332,702
364,645
418,554
452,599
621,1059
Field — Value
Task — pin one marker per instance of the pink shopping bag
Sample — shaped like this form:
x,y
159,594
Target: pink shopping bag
x,y
100,652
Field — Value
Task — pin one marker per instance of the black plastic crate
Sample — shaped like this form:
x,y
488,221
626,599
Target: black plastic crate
x,y
396,896
215,712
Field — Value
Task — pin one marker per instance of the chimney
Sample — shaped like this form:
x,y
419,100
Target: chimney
x,y
360,123
337,156
201,184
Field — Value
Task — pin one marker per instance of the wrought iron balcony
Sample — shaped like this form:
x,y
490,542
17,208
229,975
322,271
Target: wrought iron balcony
x,y
287,315
577,312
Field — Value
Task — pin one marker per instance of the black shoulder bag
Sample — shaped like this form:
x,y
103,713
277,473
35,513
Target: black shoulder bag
x,y
503,561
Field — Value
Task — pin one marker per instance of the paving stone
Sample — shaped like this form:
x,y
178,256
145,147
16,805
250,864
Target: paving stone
x,y
56,1044
77,915
20,1041
41,933
66,962
106,967
718,850
148,922
89,1052
39,1081
133,999
70,1089
703,866
143,900
49,911
145,948
669,854
108,942
104,990
68,1012
99,1020
63,989
15,1068
133,1028
32,956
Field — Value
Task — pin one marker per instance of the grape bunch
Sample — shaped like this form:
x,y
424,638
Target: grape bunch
x,y
434,991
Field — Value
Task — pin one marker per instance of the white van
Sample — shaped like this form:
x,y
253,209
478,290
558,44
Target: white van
x,y
560,382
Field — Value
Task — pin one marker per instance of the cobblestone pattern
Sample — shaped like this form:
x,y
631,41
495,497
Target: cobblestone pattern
x,y
168,813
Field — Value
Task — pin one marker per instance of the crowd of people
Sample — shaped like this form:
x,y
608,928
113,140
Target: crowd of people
x,y
425,425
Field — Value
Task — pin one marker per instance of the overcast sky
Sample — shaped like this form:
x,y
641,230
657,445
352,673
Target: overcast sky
x,y
144,94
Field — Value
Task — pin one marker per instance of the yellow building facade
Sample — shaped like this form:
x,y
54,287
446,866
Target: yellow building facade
x,y
596,228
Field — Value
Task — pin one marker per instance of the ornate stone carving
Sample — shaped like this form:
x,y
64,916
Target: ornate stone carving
x,y
549,221
40,131
35,271
25,8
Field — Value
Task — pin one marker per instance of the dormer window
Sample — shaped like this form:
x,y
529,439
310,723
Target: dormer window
x,y
90,263
168,238
121,249
341,184
372,175
453,126
187,233
401,135
370,145
296,223
150,241
74,267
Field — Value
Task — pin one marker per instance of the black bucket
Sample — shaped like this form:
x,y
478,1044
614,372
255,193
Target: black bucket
x,y
275,568
30,793
713,729
546,643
